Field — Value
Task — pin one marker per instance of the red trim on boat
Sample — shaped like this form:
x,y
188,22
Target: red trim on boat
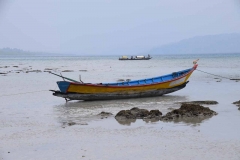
x,y
195,66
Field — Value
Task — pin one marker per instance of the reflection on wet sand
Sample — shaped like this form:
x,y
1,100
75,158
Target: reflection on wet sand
x,y
192,121
126,122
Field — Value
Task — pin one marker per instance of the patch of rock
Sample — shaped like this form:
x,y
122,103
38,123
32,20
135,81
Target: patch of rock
x,y
207,102
237,103
48,69
67,71
105,114
188,110
83,123
120,80
34,71
136,113
123,80
71,123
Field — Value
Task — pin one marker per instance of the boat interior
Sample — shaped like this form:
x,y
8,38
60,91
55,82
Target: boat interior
x,y
153,80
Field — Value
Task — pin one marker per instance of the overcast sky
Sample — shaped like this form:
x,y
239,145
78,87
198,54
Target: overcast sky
x,y
111,26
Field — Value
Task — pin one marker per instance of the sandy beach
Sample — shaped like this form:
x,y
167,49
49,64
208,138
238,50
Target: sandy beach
x,y
34,125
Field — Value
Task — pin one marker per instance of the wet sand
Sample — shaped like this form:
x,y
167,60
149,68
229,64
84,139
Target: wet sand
x,y
94,142
33,125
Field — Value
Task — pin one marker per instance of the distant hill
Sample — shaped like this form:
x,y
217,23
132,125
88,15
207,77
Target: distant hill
x,y
19,52
11,51
223,43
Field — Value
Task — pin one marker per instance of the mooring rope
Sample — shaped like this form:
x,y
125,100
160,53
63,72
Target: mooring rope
x,y
21,93
215,75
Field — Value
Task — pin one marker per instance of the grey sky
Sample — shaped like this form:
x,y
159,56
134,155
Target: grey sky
x,y
111,27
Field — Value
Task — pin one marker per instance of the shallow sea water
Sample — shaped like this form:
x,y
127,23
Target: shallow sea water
x,y
32,125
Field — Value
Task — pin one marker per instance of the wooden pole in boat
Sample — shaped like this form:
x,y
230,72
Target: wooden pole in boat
x,y
64,77
80,79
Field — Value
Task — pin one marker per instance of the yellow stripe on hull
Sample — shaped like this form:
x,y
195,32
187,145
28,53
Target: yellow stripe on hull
x,y
94,89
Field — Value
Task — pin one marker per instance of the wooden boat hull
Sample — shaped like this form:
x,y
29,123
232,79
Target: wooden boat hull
x,y
155,86
111,96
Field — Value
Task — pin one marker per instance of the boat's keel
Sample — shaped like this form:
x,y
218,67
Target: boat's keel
x,y
110,96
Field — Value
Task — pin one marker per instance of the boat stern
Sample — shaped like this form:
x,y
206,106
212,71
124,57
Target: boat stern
x,y
63,86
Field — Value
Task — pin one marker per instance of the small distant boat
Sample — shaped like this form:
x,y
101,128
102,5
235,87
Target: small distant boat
x,y
135,58
150,87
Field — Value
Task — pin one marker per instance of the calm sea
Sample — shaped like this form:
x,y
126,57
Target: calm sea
x,y
110,69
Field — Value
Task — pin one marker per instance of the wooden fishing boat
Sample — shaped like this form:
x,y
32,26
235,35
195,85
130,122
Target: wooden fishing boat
x,y
150,87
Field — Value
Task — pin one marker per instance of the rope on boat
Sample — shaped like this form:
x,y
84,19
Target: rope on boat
x,y
21,93
216,75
